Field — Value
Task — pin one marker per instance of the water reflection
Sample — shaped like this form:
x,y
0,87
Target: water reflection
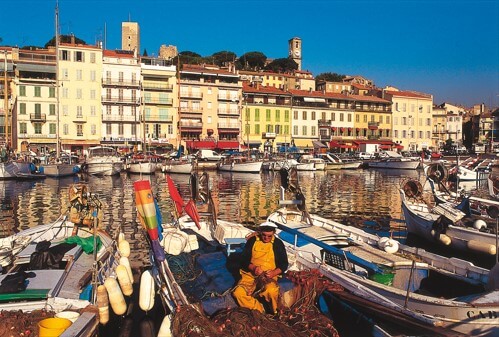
x,y
368,198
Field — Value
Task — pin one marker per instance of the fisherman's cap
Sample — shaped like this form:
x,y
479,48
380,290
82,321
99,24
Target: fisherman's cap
x,y
268,224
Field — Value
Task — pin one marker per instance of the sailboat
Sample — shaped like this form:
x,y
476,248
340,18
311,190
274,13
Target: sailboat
x,y
58,167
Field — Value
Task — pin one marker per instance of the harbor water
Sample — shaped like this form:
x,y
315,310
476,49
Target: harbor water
x,y
368,199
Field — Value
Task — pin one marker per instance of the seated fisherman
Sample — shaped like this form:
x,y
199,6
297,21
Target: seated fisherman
x,y
263,260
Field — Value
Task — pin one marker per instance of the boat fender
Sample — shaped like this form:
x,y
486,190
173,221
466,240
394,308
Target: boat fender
x,y
146,291
115,295
124,280
121,237
32,168
382,242
481,247
76,169
174,242
391,246
165,328
479,224
125,262
124,248
103,304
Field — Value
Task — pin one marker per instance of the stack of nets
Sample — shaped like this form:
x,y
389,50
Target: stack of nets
x,y
301,319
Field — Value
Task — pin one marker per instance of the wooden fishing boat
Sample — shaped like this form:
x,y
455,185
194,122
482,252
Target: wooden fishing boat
x,y
393,160
447,295
199,293
58,267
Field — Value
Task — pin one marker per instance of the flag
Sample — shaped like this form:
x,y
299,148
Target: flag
x,y
175,195
146,207
191,210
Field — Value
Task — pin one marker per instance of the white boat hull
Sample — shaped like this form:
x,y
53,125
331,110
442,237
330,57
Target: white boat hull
x,y
395,164
60,170
244,167
13,169
104,168
177,167
142,168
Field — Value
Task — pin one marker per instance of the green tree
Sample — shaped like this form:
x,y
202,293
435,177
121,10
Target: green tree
x,y
64,39
222,57
282,65
254,60
330,77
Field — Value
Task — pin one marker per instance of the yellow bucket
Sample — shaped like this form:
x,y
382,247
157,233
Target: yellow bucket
x,y
53,327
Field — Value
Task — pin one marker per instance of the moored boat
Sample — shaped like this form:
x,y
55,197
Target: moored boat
x,y
240,164
103,160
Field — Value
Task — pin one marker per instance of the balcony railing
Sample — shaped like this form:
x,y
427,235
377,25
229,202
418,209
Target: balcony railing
x,y
228,111
157,87
158,118
228,126
120,82
38,117
120,100
119,118
189,124
35,135
193,110
197,95
159,101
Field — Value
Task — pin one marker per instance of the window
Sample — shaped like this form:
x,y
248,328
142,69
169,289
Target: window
x,y
295,115
372,118
428,121
349,117
396,133
64,55
342,115
92,75
313,115
120,130
257,129
404,134
286,129
120,110
65,74
22,108
79,130
93,129
295,130
79,111
269,128
92,57
109,110
257,115
23,128
79,94
404,121
333,116
134,78
92,111
404,107
79,56
323,115
278,129
304,130
286,116
52,128
134,129
92,94
22,90
65,129
420,134
413,134
38,109
277,115
428,134
387,119
120,77
365,118
109,129
357,118
65,92
381,119
304,115
79,74
313,131
52,109
247,129
38,128
64,110
51,92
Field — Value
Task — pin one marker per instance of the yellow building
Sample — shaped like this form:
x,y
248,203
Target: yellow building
x,y
412,118
373,117
80,108
266,118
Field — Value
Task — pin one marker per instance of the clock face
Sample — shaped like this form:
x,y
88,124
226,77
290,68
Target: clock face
x,y
297,53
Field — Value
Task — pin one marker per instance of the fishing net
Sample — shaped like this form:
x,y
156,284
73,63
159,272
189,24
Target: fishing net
x,y
300,319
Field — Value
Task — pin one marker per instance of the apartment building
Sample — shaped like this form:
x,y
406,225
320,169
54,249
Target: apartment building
x,y
439,121
80,84
35,113
266,118
210,107
159,104
411,118
121,96
373,117
7,96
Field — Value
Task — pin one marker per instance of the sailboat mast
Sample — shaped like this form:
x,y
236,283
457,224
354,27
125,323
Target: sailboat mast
x,y
5,99
57,77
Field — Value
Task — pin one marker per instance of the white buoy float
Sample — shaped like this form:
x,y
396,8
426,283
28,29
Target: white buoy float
x,y
124,261
481,247
124,248
382,242
442,238
146,291
479,224
115,295
124,280
103,304
165,328
391,246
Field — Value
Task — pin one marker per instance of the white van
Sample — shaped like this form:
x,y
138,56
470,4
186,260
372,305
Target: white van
x,y
208,155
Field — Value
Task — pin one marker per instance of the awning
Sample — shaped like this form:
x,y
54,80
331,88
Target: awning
x,y
337,145
314,99
201,144
318,144
228,145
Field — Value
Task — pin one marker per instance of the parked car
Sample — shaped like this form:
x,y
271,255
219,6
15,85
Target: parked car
x,y
364,155
208,155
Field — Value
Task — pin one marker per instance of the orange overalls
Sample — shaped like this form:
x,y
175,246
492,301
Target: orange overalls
x,y
262,255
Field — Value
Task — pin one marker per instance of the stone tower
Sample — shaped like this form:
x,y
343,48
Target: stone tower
x,y
130,36
295,50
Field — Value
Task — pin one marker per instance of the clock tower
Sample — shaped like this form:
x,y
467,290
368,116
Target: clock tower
x,y
295,50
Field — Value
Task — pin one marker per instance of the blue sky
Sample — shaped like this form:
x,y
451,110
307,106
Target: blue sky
x,y
448,48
